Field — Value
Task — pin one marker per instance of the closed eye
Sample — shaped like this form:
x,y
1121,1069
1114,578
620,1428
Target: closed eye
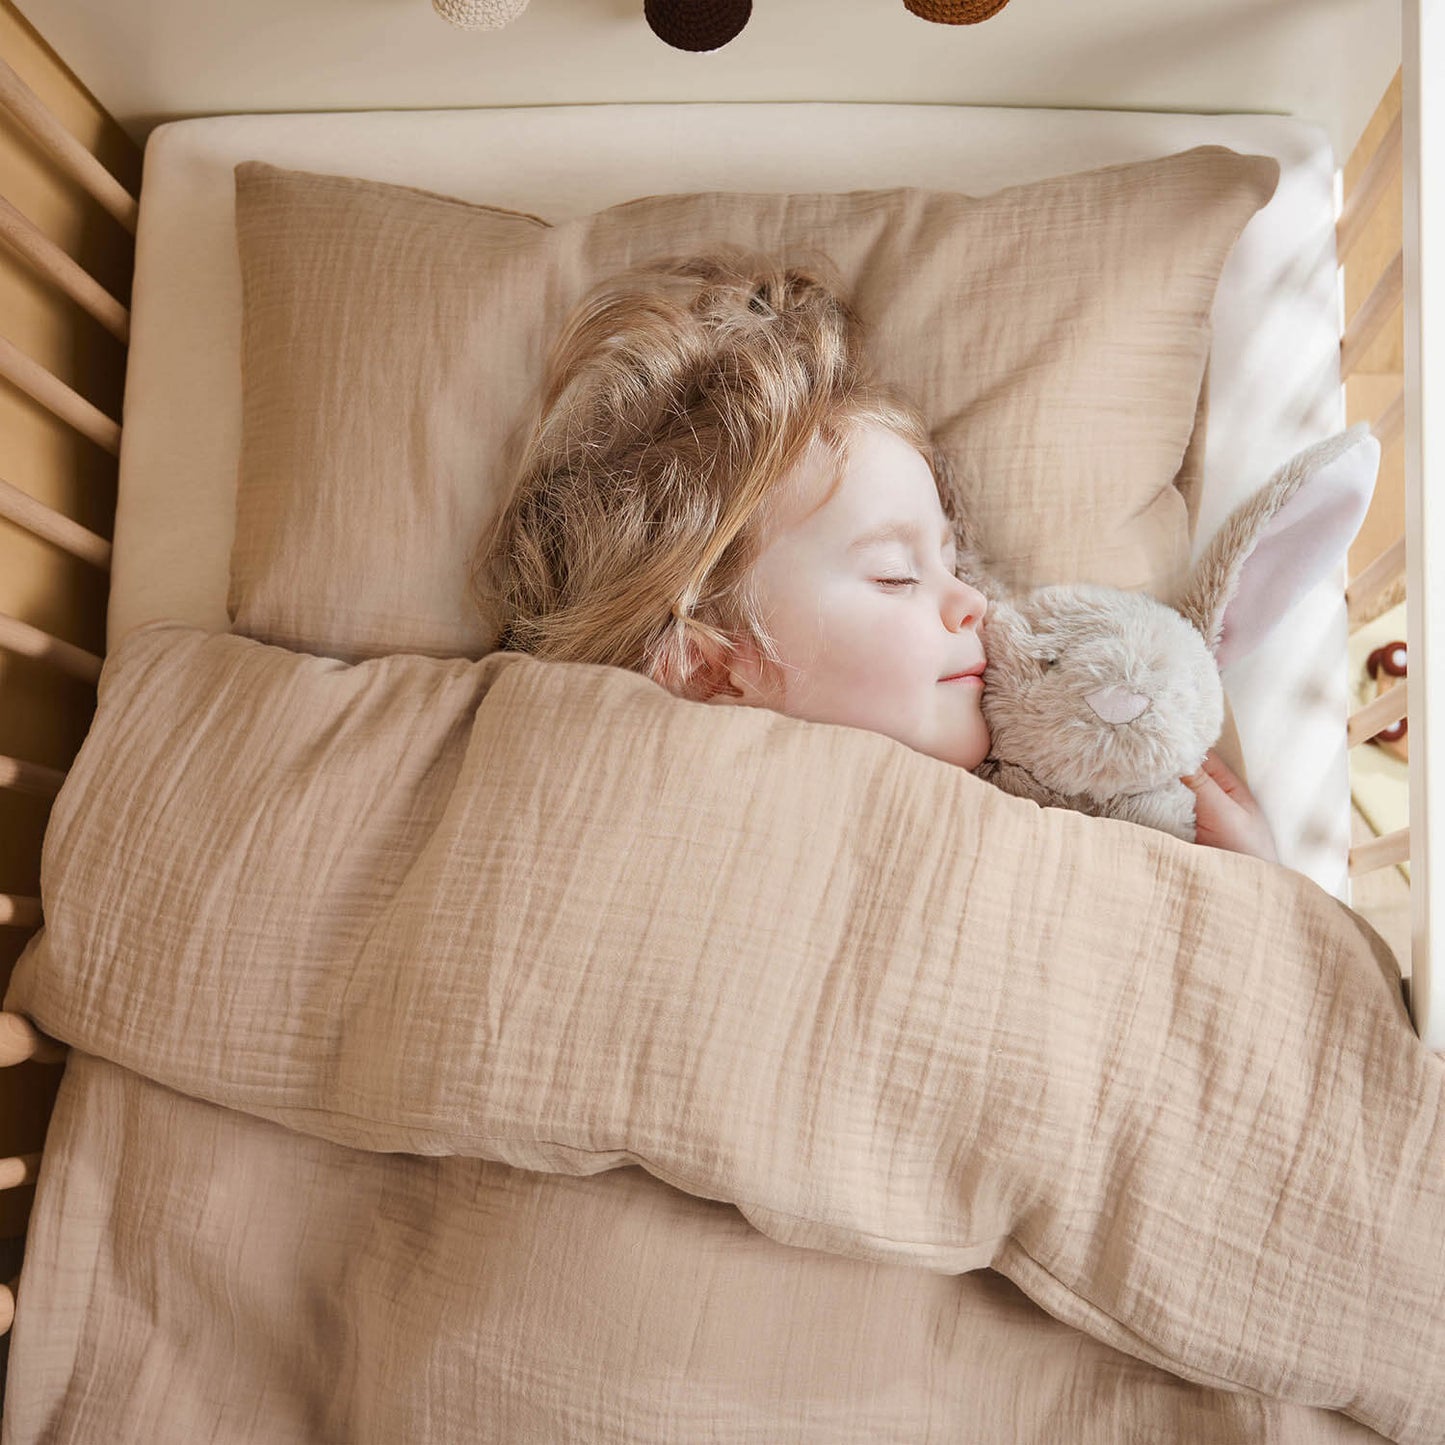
x,y
896,581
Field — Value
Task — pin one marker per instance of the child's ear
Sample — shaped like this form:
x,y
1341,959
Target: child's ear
x,y
738,678
713,672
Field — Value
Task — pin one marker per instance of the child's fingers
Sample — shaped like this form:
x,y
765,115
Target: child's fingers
x,y
1207,802
1199,782
1225,815
1222,773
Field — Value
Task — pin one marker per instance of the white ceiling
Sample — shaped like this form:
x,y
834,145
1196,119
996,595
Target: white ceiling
x,y
153,60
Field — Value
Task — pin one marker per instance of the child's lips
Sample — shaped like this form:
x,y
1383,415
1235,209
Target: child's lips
x,y
973,675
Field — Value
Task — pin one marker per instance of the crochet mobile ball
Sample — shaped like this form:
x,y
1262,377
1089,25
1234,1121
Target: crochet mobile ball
x,y
697,25
479,14
955,12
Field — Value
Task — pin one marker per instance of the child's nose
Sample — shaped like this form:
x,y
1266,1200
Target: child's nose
x,y
964,606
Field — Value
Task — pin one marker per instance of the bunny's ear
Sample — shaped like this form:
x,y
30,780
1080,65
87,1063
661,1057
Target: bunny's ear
x,y
1277,545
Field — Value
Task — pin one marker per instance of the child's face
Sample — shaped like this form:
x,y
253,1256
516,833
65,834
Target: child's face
x,y
873,630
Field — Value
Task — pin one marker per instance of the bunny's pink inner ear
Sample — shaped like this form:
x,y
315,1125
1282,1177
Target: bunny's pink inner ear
x,y
1304,542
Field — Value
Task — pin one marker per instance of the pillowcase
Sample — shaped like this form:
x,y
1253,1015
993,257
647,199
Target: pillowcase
x,y
1055,334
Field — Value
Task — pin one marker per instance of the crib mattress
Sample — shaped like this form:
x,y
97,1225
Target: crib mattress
x,y
1274,372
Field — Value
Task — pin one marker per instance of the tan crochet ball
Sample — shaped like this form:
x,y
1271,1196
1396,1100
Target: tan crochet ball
x,y
479,14
955,12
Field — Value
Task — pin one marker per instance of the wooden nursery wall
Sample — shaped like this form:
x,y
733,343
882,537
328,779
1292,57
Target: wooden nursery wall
x,y
63,371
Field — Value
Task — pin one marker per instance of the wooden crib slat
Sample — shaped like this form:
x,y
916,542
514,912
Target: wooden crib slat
x,y
21,1040
1423,237
58,268
58,398
19,1169
1364,589
31,112
1389,427
1384,711
33,778
1382,852
1374,311
18,911
21,637
25,511
1380,171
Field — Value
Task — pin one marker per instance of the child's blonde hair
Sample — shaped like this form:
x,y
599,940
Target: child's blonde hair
x,y
678,397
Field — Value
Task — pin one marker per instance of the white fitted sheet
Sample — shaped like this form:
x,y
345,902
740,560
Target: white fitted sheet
x,y
1274,384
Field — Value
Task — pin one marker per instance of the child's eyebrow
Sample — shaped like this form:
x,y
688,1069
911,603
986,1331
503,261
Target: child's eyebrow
x,y
897,531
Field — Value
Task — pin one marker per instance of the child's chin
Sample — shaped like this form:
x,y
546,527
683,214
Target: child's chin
x,y
975,750
967,755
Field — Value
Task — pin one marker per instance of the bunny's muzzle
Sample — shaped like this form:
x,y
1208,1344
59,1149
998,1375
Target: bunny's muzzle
x,y
1116,704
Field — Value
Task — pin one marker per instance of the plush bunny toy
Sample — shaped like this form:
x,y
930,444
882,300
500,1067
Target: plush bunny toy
x,y
1100,700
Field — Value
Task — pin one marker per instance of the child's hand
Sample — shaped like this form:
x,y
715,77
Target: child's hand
x,y
1225,812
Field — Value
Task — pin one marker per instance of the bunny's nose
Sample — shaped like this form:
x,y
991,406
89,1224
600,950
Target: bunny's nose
x,y
1117,704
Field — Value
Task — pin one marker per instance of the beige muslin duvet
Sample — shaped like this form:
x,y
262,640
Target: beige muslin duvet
x,y
379,977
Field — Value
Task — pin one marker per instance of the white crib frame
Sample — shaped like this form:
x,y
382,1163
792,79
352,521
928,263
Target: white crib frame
x,y
1423,115
1423,545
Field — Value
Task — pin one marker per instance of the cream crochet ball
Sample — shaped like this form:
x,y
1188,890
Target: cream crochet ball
x,y
479,14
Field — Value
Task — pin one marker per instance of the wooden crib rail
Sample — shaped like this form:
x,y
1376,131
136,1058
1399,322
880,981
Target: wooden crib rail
x,y
57,397
53,527
1369,204
18,911
1369,321
1384,712
21,1041
77,283
33,778
21,1169
32,112
1381,852
21,637
1365,590
1381,173
1423,228
1402,316
68,178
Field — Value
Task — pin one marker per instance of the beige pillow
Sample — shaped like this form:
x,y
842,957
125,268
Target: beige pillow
x,y
1055,334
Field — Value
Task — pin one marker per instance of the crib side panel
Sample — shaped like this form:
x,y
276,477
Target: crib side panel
x,y
1368,244
57,503
1423,140
1393,359
1368,247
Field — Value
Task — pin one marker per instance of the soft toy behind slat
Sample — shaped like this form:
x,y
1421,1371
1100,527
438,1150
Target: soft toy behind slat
x,y
1100,700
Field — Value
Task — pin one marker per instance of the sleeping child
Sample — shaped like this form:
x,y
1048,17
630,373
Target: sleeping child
x,y
719,496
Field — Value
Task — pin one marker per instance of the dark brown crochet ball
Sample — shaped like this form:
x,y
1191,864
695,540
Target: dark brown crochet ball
x,y
697,24
955,12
